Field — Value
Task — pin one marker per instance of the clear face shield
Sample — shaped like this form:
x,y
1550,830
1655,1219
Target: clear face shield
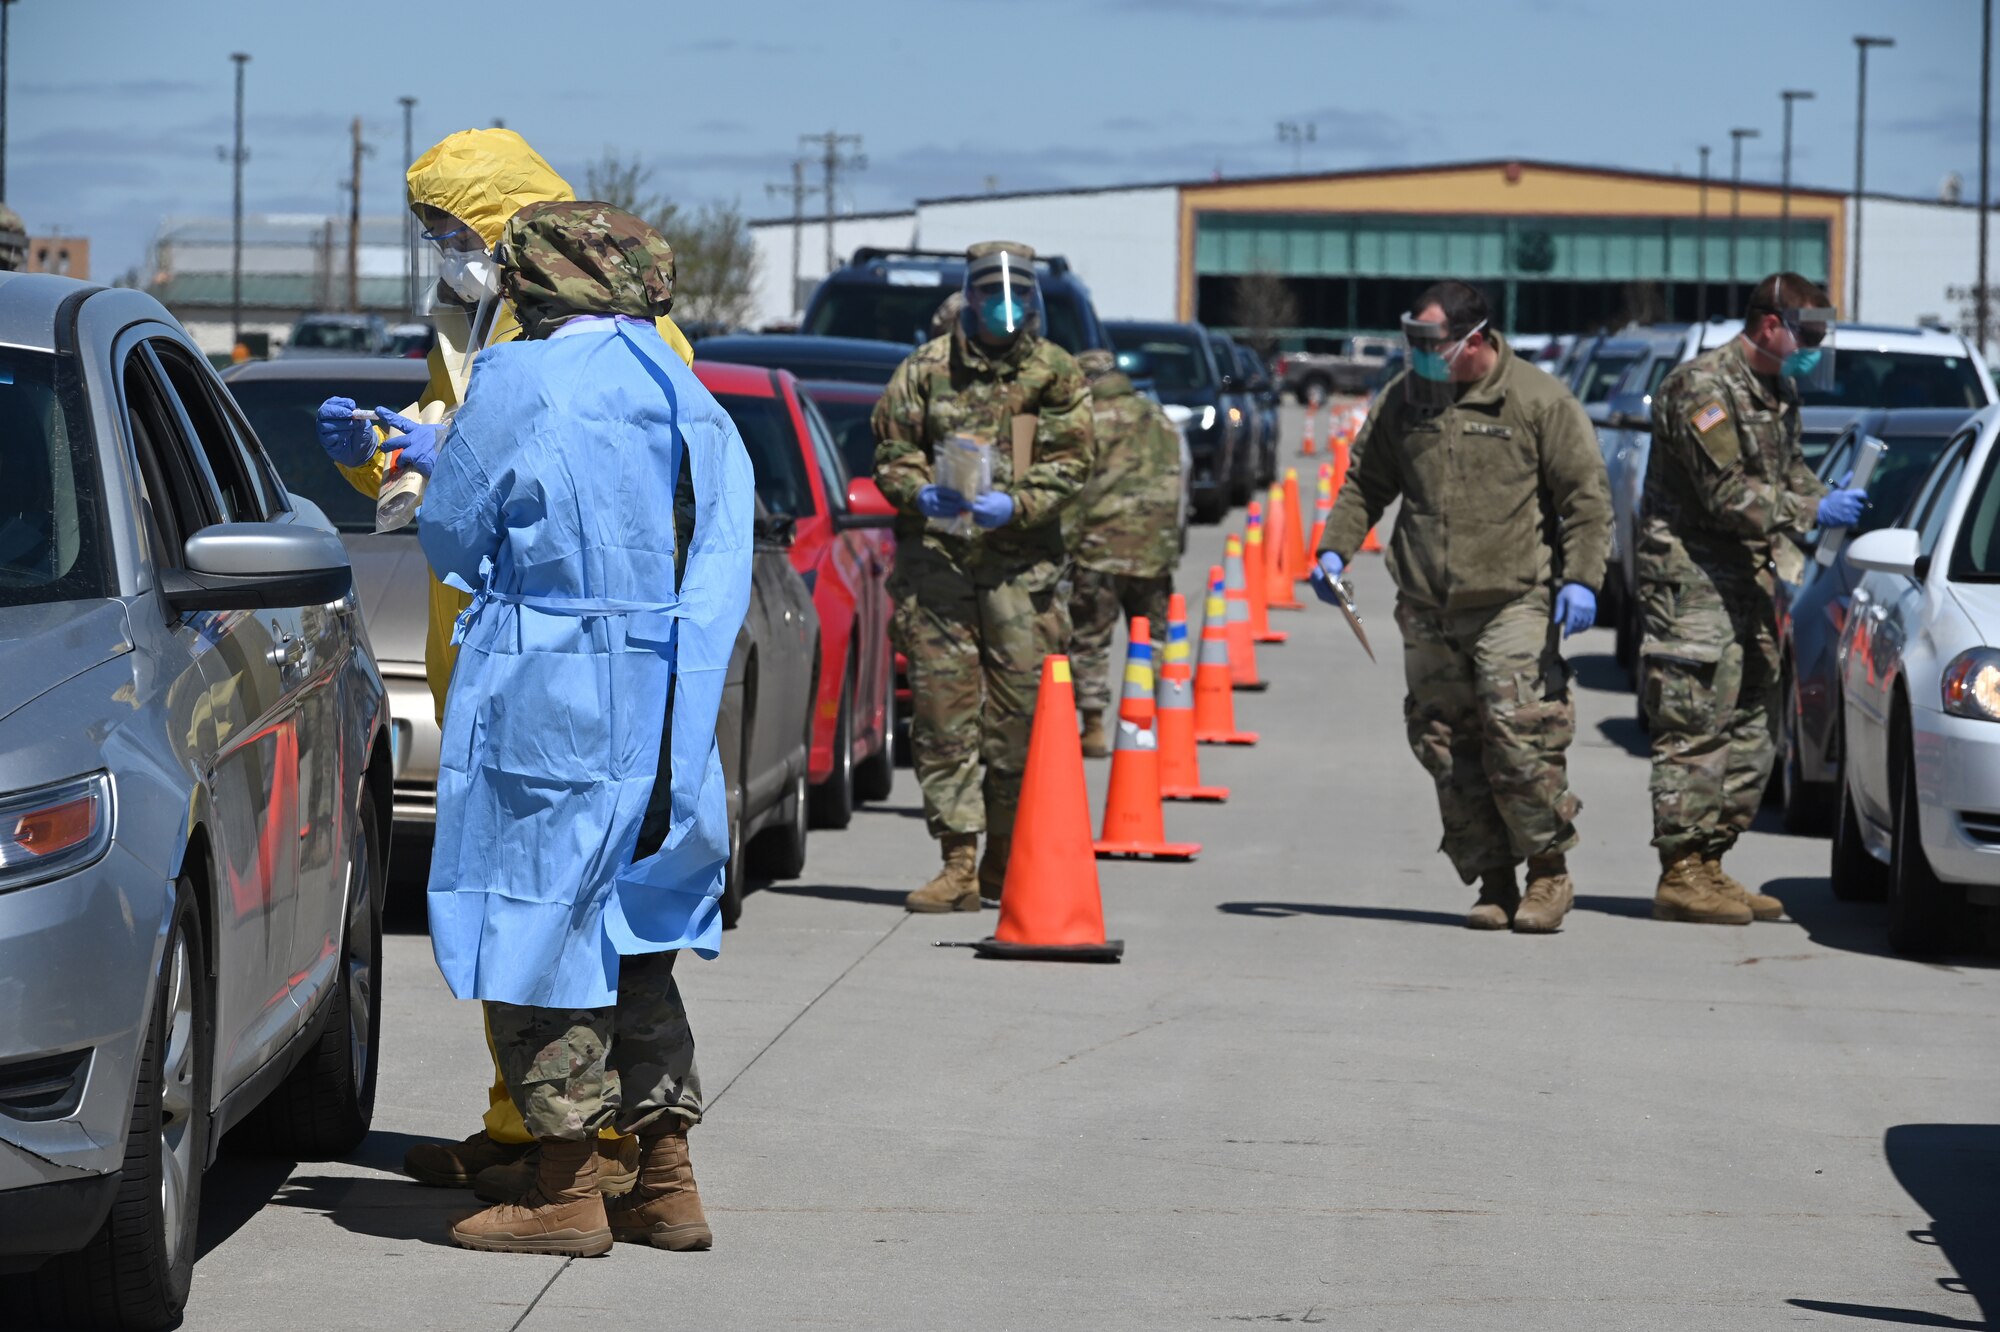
x,y
1433,354
1808,361
1003,297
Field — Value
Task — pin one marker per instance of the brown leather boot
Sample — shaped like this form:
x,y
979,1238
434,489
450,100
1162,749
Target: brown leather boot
x,y
956,886
1762,906
617,1168
993,867
1549,897
1686,892
664,1207
1499,895
1094,743
562,1213
454,1165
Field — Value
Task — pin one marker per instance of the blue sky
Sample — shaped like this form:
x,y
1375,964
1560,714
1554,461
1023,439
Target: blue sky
x,y
117,108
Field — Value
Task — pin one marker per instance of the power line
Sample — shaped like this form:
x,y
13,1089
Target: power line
x,y
797,192
832,162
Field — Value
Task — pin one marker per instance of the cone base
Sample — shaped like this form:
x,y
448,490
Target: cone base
x,y
1286,605
1228,738
1108,951
1212,793
1151,850
1249,686
1271,636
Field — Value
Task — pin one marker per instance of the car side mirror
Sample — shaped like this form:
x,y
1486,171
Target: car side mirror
x,y
867,506
1895,550
258,566
776,529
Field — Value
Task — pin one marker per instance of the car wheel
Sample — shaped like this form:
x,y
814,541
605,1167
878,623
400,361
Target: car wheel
x,y
875,777
323,1108
1213,506
1806,804
781,852
833,799
733,874
137,1268
1923,909
1856,876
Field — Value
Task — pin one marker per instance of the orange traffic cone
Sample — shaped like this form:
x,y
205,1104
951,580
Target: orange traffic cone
x,y
1133,823
1242,647
1322,509
1278,594
1214,696
1180,765
1372,545
1050,908
1306,444
1257,578
1300,559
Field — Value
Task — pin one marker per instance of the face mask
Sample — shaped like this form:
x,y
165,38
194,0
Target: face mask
x,y
1430,365
1001,317
470,273
1800,363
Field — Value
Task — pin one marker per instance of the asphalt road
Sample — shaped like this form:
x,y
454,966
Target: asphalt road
x,y
1306,1096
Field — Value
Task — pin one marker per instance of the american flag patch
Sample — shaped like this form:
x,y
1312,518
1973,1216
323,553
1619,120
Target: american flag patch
x,y
1709,417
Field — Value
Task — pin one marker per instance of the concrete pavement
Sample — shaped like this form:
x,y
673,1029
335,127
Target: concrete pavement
x,y
1307,1095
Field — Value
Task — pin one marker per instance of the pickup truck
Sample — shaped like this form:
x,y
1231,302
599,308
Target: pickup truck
x,y
1319,370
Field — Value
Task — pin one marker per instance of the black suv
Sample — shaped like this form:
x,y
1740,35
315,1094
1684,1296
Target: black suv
x,y
1181,360
890,296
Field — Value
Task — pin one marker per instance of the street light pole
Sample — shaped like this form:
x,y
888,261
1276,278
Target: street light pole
x,y
236,211
1985,139
409,105
1790,95
1736,138
6,49
1701,248
1861,44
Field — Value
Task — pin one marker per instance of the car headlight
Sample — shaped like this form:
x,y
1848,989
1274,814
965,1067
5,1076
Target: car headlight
x,y
1208,418
1972,684
54,831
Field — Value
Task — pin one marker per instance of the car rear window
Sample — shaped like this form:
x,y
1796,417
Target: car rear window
x,y
356,338
283,413
1898,379
1178,363
900,312
766,427
51,520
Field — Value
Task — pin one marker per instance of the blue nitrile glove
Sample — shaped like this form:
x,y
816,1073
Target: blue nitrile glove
x,y
1325,574
1842,508
347,441
419,442
940,502
993,509
1576,608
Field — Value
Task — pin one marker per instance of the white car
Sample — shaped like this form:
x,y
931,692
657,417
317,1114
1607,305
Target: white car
x,y
1920,678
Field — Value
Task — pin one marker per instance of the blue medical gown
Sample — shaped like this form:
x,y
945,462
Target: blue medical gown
x,y
553,502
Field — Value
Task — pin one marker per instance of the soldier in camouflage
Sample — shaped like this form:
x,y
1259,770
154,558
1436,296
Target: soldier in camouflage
x,y
1726,491
1123,533
947,315
976,612
1503,534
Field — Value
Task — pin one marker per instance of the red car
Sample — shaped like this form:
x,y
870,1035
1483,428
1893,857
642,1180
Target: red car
x,y
842,547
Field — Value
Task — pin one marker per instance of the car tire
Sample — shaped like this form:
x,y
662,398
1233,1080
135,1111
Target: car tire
x,y
1924,911
734,873
1855,875
136,1270
832,802
1807,807
1212,507
875,776
324,1106
781,852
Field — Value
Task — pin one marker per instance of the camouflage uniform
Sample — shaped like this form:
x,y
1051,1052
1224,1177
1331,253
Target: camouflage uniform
x,y
1504,497
945,318
976,614
1725,485
561,259
1122,529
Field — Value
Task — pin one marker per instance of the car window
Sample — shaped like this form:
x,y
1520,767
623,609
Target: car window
x,y
336,337
1975,557
1178,362
885,311
832,467
1065,325
1839,456
1601,376
181,500
241,501
1937,500
766,427
51,516
1903,468
1898,379
283,412
853,425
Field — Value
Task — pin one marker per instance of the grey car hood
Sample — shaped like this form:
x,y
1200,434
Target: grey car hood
x,y
45,644
394,581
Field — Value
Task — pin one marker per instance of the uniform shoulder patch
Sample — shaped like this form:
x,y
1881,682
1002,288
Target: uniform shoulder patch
x,y
1709,417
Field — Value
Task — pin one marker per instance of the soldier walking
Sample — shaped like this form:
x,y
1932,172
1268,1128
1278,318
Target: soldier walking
x,y
1500,543
1726,486
1124,530
979,603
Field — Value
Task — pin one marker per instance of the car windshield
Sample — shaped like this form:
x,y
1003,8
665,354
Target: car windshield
x,y
1177,362
1898,379
898,311
766,427
1977,556
51,528
283,412
340,337
1601,376
851,420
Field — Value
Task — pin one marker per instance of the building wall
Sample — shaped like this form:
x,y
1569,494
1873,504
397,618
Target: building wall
x,y
1920,263
1122,243
775,304
68,256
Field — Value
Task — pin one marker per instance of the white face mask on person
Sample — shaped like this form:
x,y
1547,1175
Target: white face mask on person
x,y
470,273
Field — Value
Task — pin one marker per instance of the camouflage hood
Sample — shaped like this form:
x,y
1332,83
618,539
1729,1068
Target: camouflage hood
x,y
559,260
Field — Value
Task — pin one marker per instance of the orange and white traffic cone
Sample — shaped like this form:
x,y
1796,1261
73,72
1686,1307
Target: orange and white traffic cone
x,y
1257,578
1180,764
1372,544
1050,907
1133,822
1214,696
1299,560
1322,510
1242,647
1306,444
1278,594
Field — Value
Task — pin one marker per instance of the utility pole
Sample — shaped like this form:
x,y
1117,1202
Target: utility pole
x,y
1701,248
1789,95
1861,44
6,49
354,222
1298,135
1736,138
1985,140
237,157
833,161
797,192
409,105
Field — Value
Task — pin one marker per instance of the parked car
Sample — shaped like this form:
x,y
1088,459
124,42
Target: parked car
x,y
1263,392
1878,365
1322,367
1239,418
849,360
890,295
1920,684
1182,365
843,549
337,335
1599,369
195,755
1813,612
411,340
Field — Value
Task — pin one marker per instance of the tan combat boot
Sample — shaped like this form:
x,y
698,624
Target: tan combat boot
x,y
454,1165
1686,892
956,886
1094,743
617,1168
664,1207
1499,895
993,866
1762,906
1549,897
562,1213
